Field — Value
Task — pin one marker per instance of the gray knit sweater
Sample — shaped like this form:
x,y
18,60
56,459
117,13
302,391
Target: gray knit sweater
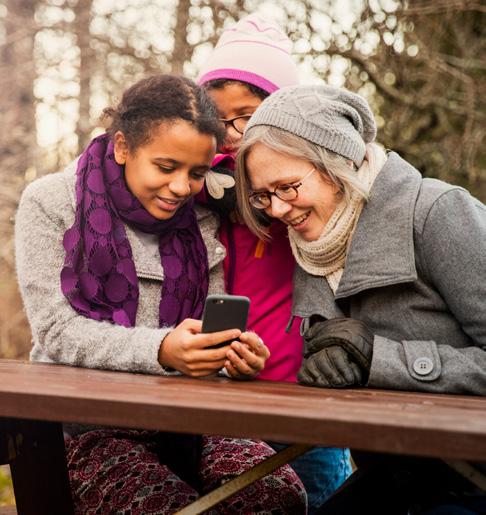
x,y
60,334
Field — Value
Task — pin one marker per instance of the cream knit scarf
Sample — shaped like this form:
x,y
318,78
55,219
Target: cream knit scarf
x,y
327,255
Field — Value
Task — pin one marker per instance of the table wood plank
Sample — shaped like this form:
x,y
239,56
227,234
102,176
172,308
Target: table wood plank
x,y
448,426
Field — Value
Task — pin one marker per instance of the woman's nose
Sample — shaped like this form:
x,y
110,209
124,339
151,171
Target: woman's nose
x,y
278,208
180,185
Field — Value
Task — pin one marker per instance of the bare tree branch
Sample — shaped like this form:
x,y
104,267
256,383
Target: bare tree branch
x,y
180,53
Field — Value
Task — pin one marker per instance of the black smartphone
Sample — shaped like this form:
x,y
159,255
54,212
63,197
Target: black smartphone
x,y
225,312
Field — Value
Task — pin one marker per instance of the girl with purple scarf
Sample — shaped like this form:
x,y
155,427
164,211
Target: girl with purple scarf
x,y
114,263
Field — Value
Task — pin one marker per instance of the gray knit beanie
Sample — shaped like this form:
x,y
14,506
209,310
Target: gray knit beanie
x,y
333,118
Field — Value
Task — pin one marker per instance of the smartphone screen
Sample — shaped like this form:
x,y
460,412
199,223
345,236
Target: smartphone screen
x,y
225,312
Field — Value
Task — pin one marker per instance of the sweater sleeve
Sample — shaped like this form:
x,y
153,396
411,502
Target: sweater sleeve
x,y
452,247
60,334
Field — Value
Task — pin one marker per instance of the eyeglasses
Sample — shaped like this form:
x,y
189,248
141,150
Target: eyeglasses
x,y
238,123
286,192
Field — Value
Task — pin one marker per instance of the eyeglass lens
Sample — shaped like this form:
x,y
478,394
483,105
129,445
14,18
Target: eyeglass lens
x,y
238,123
282,191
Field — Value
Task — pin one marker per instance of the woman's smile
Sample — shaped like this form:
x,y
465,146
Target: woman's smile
x,y
168,204
298,223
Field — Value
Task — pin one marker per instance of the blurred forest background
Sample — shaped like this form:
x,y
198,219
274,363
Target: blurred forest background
x,y
420,63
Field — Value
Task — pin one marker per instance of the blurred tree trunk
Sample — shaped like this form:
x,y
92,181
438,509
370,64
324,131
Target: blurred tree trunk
x,y
18,142
181,52
18,152
82,22
17,105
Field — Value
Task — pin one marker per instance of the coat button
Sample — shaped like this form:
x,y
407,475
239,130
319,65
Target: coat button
x,y
423,366
219,250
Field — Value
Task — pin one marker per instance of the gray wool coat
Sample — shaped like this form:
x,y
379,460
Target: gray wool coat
x,y
416,274
60,334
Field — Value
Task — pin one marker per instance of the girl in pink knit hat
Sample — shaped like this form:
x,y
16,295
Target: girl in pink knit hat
x,y
251,60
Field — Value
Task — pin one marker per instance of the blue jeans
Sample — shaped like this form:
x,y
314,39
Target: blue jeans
x,y
322,470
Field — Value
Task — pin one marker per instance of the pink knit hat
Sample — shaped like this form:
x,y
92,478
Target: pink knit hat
x,y
253,51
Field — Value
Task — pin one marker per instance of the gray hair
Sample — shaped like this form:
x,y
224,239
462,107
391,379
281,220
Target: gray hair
x,y
334,167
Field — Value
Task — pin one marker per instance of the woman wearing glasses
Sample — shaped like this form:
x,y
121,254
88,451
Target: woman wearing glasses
x,y
391,283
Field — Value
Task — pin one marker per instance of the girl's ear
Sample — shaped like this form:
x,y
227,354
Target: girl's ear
x,y
121,148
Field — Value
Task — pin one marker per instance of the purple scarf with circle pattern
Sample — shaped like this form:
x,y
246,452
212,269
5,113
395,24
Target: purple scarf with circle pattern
x,y
99,278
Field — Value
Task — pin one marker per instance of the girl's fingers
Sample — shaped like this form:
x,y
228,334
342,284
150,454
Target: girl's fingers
x,y
204,366
255,343
240,365
247,355
206,340
231,369
192,325
209,356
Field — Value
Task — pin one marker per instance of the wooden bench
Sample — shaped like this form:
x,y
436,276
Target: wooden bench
x,y
36,398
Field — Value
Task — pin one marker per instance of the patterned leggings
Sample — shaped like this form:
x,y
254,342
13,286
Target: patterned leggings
x,y
119,472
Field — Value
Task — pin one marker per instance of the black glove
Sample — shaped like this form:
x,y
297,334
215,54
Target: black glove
x,y
330,368
346,367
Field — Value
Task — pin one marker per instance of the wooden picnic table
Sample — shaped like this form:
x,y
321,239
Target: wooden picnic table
x,y
36,398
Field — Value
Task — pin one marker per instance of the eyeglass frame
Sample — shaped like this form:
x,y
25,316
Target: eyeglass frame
x,y
294,186
231,121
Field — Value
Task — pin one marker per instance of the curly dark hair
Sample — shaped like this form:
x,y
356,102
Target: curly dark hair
x,y
221,83
158,99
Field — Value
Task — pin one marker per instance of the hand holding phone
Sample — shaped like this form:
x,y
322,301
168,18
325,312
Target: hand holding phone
x,y
223,312
248,355
193,353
